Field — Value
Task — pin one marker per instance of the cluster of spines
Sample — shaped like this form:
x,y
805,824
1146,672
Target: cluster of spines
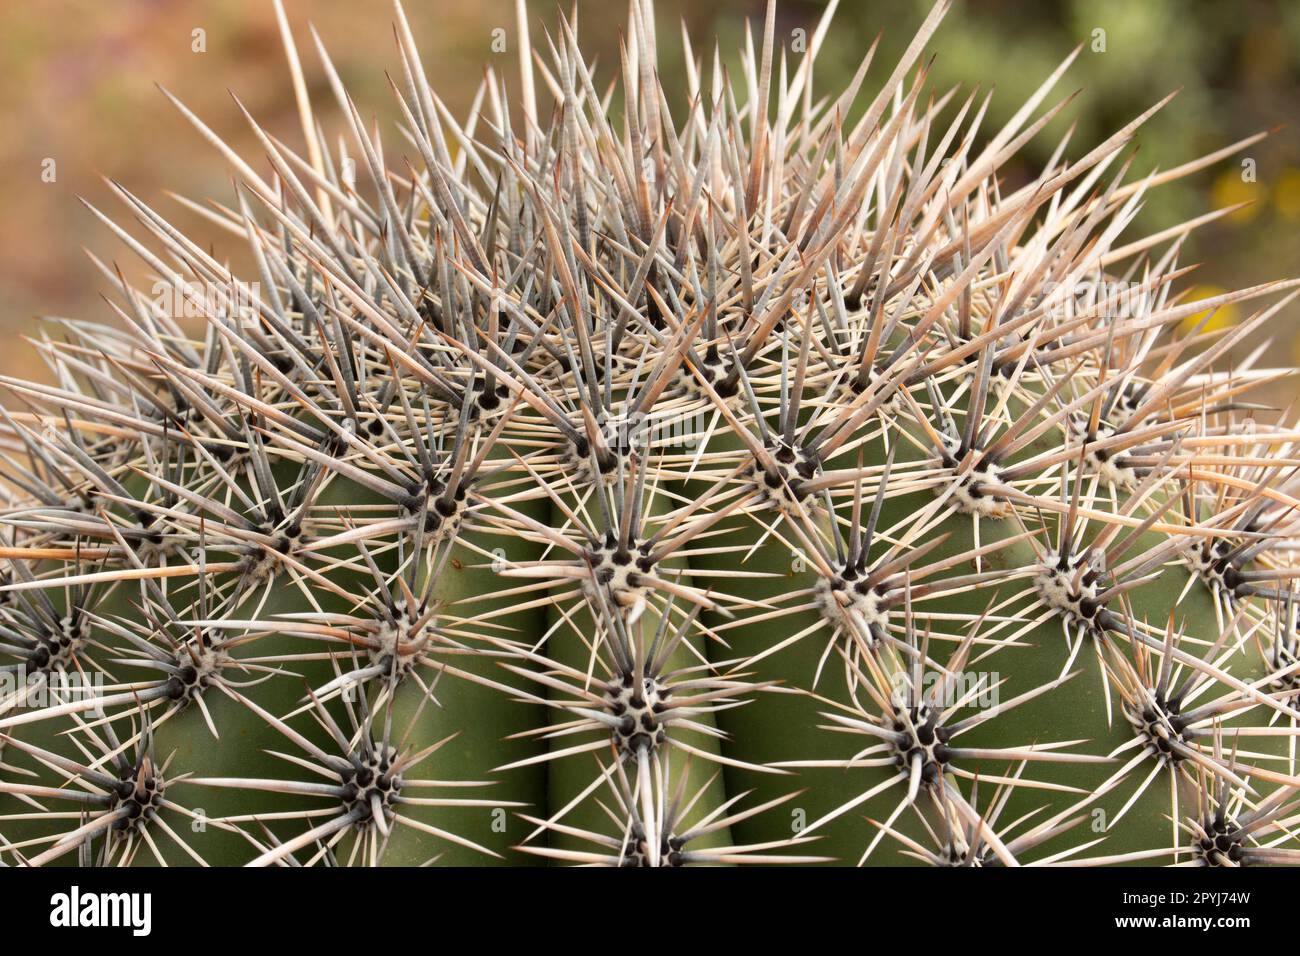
x,y
612,358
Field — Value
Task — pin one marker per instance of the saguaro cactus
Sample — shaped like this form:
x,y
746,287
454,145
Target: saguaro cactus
x,y
754,478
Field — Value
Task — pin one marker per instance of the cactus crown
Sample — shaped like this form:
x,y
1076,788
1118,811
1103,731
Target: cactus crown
x,y
721,481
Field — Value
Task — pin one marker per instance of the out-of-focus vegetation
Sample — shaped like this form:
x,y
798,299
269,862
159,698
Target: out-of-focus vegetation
x,y
78,90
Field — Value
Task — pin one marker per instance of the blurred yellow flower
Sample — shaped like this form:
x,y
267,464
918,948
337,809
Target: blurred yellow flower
x,y
1224,317
1287,194
1229,189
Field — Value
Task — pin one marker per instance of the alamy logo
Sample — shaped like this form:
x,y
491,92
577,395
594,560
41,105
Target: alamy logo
x,y
76,909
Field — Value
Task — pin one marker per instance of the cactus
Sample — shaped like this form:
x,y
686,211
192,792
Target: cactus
x,y
751,479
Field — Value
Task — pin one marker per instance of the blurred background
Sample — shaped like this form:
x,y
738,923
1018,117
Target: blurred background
x,y
78,103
